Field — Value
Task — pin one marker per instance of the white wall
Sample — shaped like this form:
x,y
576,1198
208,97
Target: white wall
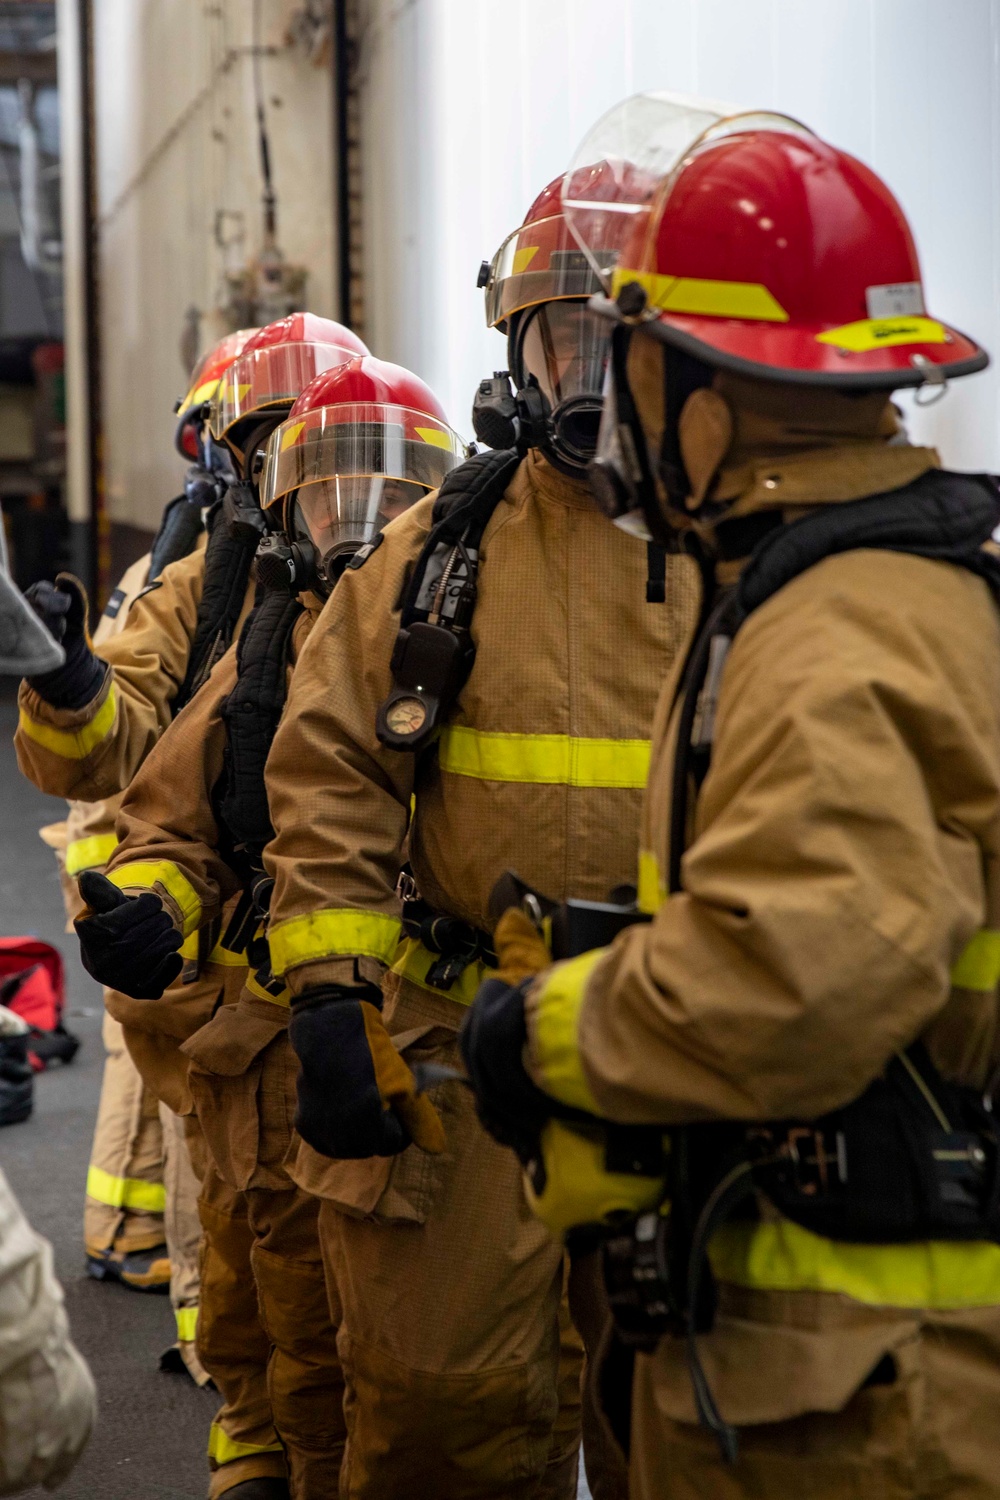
x,y
471,106
176,142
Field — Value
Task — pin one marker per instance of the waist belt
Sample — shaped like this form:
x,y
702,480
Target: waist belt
x,y
455,944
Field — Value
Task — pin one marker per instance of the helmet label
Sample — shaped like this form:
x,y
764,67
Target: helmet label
x,y
901,299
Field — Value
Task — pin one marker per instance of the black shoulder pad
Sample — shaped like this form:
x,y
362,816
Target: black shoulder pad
x,y
472,476
364,553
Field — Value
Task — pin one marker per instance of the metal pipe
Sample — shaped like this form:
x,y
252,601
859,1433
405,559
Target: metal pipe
x,y
342,193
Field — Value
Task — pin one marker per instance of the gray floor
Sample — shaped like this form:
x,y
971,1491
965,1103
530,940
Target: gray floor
x,y
152,1429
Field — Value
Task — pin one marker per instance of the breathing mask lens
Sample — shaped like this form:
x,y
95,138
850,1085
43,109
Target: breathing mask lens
x,y
565,347
341,514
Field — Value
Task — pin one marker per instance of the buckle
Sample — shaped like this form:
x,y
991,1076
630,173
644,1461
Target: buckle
x,y
406,887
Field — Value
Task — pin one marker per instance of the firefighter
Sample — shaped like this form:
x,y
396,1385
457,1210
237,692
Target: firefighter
x,y
804,1030
468,664
198,808
173,635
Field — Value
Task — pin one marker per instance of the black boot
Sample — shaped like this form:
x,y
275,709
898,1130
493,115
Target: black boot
x,y
259,1489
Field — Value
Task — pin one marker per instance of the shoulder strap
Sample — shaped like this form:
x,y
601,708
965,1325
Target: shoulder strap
x,y
941,516
433,653
180,527
228,560
251,713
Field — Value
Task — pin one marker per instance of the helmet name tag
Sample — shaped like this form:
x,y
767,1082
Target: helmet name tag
x,y
900,299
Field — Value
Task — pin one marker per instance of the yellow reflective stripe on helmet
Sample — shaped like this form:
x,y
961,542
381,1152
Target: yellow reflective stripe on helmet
x,y
72,744
86,854
553,1045
253,987
555,759
692,294
187,1323
413,962
342,932
125,1192
978,966
652,891
149,872
783,1257
223,1449
883,333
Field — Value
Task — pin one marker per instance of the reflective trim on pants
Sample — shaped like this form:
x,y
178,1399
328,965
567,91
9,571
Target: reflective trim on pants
x,y
223,1449
125,1192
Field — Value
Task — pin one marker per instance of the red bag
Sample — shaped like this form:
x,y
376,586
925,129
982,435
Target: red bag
x,y
33,983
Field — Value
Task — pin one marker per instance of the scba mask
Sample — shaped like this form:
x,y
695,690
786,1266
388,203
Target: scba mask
x,y
558,360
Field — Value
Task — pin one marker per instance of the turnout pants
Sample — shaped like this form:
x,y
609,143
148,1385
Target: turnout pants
x,y
262,1230
462,1379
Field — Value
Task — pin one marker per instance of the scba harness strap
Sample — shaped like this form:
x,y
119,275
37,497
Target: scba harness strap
x,y
235,528
251,714
434,653
913,1158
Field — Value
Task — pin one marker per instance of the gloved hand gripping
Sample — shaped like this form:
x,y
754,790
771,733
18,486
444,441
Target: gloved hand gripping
x,y
127,943
62,607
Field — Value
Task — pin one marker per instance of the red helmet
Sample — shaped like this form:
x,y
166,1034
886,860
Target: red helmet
x,y
273,368
769,252
204,383
360,445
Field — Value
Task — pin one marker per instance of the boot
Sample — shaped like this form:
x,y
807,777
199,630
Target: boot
x,y
142,1270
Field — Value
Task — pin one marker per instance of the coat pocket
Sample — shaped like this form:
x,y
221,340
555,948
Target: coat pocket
x,y
227,1062
391,1189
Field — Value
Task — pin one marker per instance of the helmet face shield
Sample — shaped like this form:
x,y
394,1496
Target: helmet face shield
x,y
340,515
269,377
540,262
353,468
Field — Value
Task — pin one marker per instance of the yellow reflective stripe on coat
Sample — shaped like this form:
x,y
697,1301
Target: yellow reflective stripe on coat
x,y
187,1323
413,962
978,966
146,873
342,932
125,1192
72,744
225,1450
554,1046
783,1257
652,889
87,854
554,759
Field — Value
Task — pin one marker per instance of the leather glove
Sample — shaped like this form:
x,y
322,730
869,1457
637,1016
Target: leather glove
x,y
128,943
62,607
356,1095
519,946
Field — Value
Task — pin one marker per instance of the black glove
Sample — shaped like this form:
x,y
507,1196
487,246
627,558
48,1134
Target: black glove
x,y
128,943
62,606
341,1111
509,1104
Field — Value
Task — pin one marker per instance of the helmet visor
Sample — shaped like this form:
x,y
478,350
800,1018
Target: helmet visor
x,y
360,439
210,369
622,162
270,377
342,514
539,262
